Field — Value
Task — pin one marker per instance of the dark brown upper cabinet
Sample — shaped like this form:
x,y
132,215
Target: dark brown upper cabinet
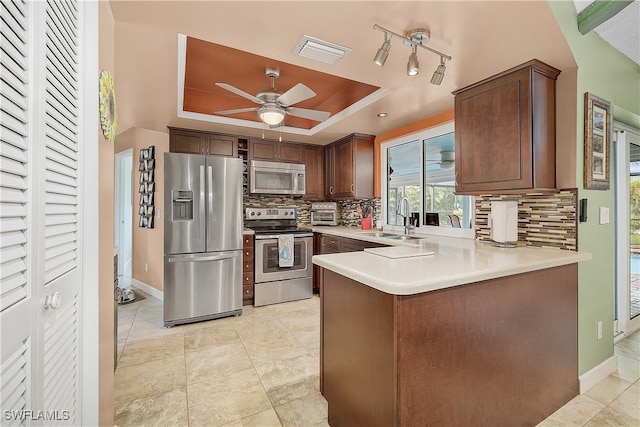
x,y
505,131
275,151
202,142
313,157
349,167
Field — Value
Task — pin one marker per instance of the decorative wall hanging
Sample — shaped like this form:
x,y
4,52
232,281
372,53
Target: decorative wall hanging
x,y
147,167
597,131
108,115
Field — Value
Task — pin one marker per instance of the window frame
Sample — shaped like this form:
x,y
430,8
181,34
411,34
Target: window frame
x,y
467,233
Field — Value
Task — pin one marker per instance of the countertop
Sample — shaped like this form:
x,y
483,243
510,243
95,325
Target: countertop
x,y
455,262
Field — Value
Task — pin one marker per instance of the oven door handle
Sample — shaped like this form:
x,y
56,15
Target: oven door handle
x,y
275,236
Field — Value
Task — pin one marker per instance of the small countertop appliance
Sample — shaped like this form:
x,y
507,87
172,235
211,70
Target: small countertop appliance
x,y
325,213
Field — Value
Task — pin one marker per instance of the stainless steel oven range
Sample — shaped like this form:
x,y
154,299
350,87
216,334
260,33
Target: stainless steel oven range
x,y
275,283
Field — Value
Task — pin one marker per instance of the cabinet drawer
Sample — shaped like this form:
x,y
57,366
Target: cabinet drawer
x,y
247,278
247,266
330,244
247,291
247,241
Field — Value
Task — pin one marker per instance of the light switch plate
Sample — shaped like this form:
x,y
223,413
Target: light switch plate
x,y
604,216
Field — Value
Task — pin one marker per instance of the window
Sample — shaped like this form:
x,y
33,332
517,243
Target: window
x,y
420,176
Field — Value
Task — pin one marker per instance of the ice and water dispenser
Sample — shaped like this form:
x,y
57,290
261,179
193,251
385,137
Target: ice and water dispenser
x,y
182,206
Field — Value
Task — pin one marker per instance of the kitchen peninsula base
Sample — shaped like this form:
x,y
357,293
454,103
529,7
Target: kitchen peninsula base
x,y
496,352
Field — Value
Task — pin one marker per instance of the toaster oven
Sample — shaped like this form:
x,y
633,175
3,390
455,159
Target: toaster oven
x,y
325,213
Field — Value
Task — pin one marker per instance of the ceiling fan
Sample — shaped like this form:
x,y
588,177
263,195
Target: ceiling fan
x,y
447,160
273,104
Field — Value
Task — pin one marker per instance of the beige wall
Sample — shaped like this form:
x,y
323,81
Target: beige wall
x,y
105,208
147,243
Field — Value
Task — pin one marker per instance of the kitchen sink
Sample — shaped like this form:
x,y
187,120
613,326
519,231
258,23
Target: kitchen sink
x,y
403,237
377,234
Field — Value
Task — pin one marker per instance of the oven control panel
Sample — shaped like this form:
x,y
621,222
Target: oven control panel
x,y
269,213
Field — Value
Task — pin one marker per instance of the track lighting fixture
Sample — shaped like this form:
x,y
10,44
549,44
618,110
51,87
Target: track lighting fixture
x,y
383,52
413,39
413,66
438,74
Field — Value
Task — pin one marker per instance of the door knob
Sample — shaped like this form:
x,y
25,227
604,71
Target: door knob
x,y
52,301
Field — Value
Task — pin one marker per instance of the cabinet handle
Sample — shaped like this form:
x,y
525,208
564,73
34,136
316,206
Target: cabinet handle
x,y
331,190
352,188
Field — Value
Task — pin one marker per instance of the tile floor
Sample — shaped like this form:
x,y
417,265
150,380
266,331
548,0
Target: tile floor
x,y
261,369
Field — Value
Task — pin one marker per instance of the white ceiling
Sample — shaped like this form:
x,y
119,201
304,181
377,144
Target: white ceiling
x,y
483,38
622,31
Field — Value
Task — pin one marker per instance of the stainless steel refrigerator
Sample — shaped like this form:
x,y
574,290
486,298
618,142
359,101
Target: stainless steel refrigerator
x,y
202,237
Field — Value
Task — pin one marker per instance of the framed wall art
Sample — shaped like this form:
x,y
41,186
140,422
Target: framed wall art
x,y
597,137
146,209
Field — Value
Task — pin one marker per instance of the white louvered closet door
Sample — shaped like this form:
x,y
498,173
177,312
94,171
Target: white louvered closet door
x,y
39,217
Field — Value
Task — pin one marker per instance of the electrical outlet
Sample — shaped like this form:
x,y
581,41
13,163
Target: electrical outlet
x,y
146,268
158,213
599,330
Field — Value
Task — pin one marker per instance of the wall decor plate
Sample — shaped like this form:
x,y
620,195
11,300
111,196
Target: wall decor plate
x,y
108,116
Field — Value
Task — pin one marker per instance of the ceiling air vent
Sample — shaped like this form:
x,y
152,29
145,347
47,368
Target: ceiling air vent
x,y
320,50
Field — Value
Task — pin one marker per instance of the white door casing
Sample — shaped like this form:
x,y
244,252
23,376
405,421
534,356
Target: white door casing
x,y
41,213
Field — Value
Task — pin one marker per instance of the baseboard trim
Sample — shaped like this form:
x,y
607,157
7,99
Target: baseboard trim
x,y
148,289
597,374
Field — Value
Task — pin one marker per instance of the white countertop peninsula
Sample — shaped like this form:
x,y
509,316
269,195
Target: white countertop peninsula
x,y
447,338
454,262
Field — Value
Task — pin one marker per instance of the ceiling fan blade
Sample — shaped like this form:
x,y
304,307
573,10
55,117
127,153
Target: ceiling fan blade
x,y
296,94
318,116
238,110
240,92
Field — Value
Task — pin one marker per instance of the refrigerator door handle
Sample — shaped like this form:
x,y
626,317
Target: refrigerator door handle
x,y
210,191
204,258
202,205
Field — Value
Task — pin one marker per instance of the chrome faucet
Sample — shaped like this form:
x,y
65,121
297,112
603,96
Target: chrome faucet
x,y
408,227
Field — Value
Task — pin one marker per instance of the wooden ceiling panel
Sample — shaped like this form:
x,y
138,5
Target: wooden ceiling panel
x,y
208,63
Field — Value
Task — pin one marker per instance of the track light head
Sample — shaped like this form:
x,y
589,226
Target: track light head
x,y
438,75
413,66
383,52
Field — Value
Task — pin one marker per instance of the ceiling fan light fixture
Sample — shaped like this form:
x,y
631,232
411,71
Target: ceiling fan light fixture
x,y
271,114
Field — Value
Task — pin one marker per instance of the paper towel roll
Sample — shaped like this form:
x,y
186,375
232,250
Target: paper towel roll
x,y
504,221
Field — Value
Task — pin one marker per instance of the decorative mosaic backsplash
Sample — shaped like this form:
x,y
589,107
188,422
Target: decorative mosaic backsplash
x,y
545,219
265,201
348,216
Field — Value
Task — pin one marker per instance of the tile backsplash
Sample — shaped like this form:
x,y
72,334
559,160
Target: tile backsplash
x,y
545,219
348,216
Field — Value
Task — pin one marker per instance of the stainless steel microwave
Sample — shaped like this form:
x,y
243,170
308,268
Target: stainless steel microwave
x,y
277,178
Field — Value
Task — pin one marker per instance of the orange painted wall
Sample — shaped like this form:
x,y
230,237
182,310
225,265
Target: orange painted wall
x,y
426,123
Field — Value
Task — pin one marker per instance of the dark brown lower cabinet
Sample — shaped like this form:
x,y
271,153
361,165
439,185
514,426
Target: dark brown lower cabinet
x,y
330,244
500,352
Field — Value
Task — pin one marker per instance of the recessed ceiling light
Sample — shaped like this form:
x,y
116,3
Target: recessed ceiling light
x,y
382,115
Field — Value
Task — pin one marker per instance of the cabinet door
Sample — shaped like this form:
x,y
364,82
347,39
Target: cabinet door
x,y
313,156
493,135
290,152
343,168
329,161
222,145
263,149
184,141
